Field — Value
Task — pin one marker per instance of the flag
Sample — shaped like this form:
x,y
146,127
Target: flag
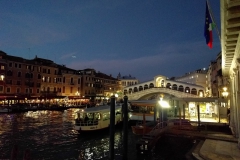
x,y
208,27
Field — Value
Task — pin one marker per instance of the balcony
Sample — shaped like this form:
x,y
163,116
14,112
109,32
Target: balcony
x,y
71,83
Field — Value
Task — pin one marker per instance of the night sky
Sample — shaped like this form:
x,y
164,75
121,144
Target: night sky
x,y
141,38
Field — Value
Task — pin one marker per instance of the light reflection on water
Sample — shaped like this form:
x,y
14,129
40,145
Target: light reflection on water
x,y
50,135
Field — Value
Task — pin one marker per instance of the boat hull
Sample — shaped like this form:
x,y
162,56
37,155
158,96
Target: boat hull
x,y
141,130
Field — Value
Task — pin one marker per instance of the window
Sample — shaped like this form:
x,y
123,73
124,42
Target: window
x,y
106,116
19,66
63,89
27,75
8,90
18,90
48,79
1,89
9,73
19,74
2,67
38,91
18,82
10,64
16,65
43,79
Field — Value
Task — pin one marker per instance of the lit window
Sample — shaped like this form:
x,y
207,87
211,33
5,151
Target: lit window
x,y
2,67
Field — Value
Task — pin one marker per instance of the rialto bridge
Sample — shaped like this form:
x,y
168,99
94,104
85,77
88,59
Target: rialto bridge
x,y
161,85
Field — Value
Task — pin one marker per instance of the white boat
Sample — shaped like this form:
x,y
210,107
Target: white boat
x,y
4,110
96,118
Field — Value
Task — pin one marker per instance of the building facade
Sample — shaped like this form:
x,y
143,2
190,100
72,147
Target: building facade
x,y
36,78
197,77
230,43
98,86
127,80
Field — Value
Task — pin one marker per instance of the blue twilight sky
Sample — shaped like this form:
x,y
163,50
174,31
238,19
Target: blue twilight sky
x,y
143,38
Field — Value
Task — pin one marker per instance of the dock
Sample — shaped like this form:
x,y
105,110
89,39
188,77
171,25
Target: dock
x,y
147,142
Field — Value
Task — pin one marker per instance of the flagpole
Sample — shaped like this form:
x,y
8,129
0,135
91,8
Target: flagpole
x,y
210,11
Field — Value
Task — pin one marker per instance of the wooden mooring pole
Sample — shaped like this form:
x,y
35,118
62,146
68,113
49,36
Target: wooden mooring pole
x,y
112,128
125,128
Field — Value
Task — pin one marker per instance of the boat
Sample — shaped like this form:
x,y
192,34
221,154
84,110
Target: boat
x,y
143,128
4,110
96,118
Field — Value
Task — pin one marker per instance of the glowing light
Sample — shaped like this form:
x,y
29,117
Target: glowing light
x,y
225,93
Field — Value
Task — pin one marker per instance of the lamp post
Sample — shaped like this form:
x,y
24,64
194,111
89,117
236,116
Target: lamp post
x,y
163,104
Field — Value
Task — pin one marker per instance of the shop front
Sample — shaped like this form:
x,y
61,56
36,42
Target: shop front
x,y
206,110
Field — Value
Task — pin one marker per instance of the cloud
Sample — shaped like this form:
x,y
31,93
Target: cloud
x,y
68,55
171,60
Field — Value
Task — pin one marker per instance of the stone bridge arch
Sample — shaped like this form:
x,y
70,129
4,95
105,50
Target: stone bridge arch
x,y
155,92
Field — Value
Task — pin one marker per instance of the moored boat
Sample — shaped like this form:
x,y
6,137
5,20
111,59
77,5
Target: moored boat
x,y
143,128
4,110
96,118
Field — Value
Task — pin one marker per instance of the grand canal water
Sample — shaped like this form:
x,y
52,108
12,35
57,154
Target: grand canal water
x,y
49,135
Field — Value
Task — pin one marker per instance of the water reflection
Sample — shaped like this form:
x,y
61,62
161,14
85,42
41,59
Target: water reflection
x,y
50,135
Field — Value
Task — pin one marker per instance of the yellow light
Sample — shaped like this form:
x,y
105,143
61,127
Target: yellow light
x,y
164,104
2,77
225,93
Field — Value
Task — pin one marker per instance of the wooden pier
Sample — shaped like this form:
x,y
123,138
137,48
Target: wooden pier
x,y
148,141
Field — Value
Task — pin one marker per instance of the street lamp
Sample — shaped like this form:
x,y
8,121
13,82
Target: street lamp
x,y
163,104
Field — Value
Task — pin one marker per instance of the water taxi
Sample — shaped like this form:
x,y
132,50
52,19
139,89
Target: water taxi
x,y
96,118
143,127
5,110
